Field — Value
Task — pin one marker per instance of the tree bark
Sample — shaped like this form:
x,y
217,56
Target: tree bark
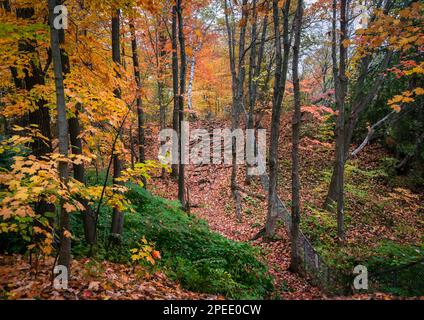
x,y
139,103
191,77
62,133
295,259
359,104
160,82
281,69
238,78
88,217
117,215
182,89
175,84
252,81
341,82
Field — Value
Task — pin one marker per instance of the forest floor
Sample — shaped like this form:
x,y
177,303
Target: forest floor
x,y
211,200
375,210
90,280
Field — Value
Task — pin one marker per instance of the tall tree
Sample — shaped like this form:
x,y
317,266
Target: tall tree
x,y
137,75
251,79
360,99
281,69
175,84
295,260
182,90
340,85
117,216
238,74
88,216
161,69
255,68
62,133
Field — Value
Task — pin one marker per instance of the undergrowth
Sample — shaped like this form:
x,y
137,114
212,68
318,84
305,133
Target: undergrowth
x,y
198,258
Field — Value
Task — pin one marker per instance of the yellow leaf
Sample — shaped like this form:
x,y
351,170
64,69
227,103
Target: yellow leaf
x,y
346,43
407,99
38,229
396,107
419,91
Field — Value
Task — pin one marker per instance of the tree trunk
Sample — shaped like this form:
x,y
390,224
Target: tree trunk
x,y
238,78
191,78
359,103
341,81
88,216
117,215
140,113
160,82
295,259
252,82
62,130
183,67
279,89
175,85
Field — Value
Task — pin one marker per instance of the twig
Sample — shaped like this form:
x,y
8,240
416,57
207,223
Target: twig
x,y
371,131
252,194
110,164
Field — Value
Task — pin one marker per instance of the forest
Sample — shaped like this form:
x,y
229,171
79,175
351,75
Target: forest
x,y
211,149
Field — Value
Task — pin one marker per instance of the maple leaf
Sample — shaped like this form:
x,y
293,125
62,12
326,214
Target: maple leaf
x,y
156,254
396,107
67,234
69,207
94,285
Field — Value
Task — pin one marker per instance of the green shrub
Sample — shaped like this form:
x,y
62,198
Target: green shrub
x,y
397,268
198,258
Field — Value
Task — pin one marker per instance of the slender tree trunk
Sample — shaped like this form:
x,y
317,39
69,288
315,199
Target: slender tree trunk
x,y
295,259
332,194
260,61
340,81
175,78
132,151
88,217
62,130
183,67
117,215
140,113
238,78
160,82
191,78
79,174
279,88
359,103
252,82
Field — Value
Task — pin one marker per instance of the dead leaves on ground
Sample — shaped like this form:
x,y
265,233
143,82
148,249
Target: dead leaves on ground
x,y
90,281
